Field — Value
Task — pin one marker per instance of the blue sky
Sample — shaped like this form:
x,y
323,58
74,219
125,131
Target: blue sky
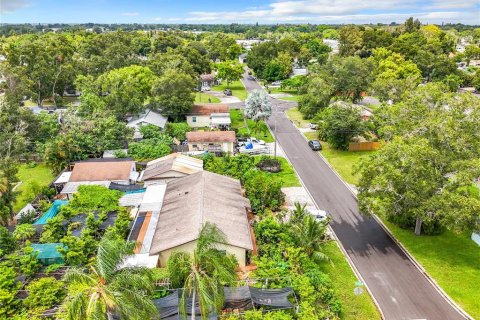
x,y
239,11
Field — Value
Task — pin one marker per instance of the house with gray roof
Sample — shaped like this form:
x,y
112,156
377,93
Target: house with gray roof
x,y
192,201
148,117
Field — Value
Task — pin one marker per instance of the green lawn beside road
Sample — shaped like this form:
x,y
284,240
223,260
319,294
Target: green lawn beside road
x,y
452,260
238,90
238,123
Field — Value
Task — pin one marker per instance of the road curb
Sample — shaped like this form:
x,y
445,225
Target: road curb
x,y
400,245
339,244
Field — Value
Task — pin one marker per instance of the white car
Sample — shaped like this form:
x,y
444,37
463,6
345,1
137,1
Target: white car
x,y
276,84
320,215
205,88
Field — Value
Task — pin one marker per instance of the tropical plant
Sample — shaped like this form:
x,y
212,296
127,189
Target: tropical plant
x,y
7,242
258,106
310,235
23,232
44,293
203,273
109,289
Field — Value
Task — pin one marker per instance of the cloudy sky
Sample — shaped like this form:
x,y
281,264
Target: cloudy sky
x,y
239,11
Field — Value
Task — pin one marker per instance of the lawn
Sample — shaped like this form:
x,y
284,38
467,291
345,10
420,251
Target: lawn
x,y
294,93
297,117
238,90
39,174
343,279
238,123
453,260
342,161
203,98
46,103
287,175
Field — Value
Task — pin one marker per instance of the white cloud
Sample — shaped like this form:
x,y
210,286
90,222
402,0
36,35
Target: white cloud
x,y
157,19
452,4
249,17
347,11
130,14
9,6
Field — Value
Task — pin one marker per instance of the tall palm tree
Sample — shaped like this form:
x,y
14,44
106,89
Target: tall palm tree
x,y
107,289
310,234
203,273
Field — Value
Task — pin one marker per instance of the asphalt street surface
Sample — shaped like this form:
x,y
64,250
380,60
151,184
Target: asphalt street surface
x,y
400,289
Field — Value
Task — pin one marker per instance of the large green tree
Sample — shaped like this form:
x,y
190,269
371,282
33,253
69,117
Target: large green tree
x,y
229,71
127,89
339,123
424,177
393,75
173,94
317,97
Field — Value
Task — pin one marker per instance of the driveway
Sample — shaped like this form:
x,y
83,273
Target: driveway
x,y
400,289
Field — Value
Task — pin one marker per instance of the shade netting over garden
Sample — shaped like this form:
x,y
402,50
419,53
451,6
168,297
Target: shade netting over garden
x,y
236,298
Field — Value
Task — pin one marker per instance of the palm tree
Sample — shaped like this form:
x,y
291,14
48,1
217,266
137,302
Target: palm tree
x,y
204,273
108,289
298,213
309,234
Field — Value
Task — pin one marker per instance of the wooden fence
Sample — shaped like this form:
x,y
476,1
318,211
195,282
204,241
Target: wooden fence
x,y
363,146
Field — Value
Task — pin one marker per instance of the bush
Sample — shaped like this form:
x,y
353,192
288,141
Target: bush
x,y
28,261
149,149
7,242
263,192
44,292
178,130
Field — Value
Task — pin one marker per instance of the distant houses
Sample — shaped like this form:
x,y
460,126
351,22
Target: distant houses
x,y
211,116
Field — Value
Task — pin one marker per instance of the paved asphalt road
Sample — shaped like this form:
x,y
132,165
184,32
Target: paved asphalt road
x,y
400,289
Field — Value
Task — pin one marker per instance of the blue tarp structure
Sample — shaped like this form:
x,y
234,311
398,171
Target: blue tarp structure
x,y
52,212
48,253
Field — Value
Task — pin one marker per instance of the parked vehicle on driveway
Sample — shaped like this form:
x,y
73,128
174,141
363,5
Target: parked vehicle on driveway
x,y
315,145
313,126
276,84
205,88
320,215
250,77
227,92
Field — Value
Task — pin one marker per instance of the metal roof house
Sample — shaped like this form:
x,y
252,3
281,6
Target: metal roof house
x,y
170,167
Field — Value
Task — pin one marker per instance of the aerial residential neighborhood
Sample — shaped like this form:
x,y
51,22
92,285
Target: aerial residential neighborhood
x,y
277,160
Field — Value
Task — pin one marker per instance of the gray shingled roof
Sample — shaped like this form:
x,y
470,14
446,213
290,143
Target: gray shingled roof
x,y
202,197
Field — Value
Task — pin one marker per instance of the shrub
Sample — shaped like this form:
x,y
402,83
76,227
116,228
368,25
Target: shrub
x,y
28,261
44,292
263,192
7,242
178,130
